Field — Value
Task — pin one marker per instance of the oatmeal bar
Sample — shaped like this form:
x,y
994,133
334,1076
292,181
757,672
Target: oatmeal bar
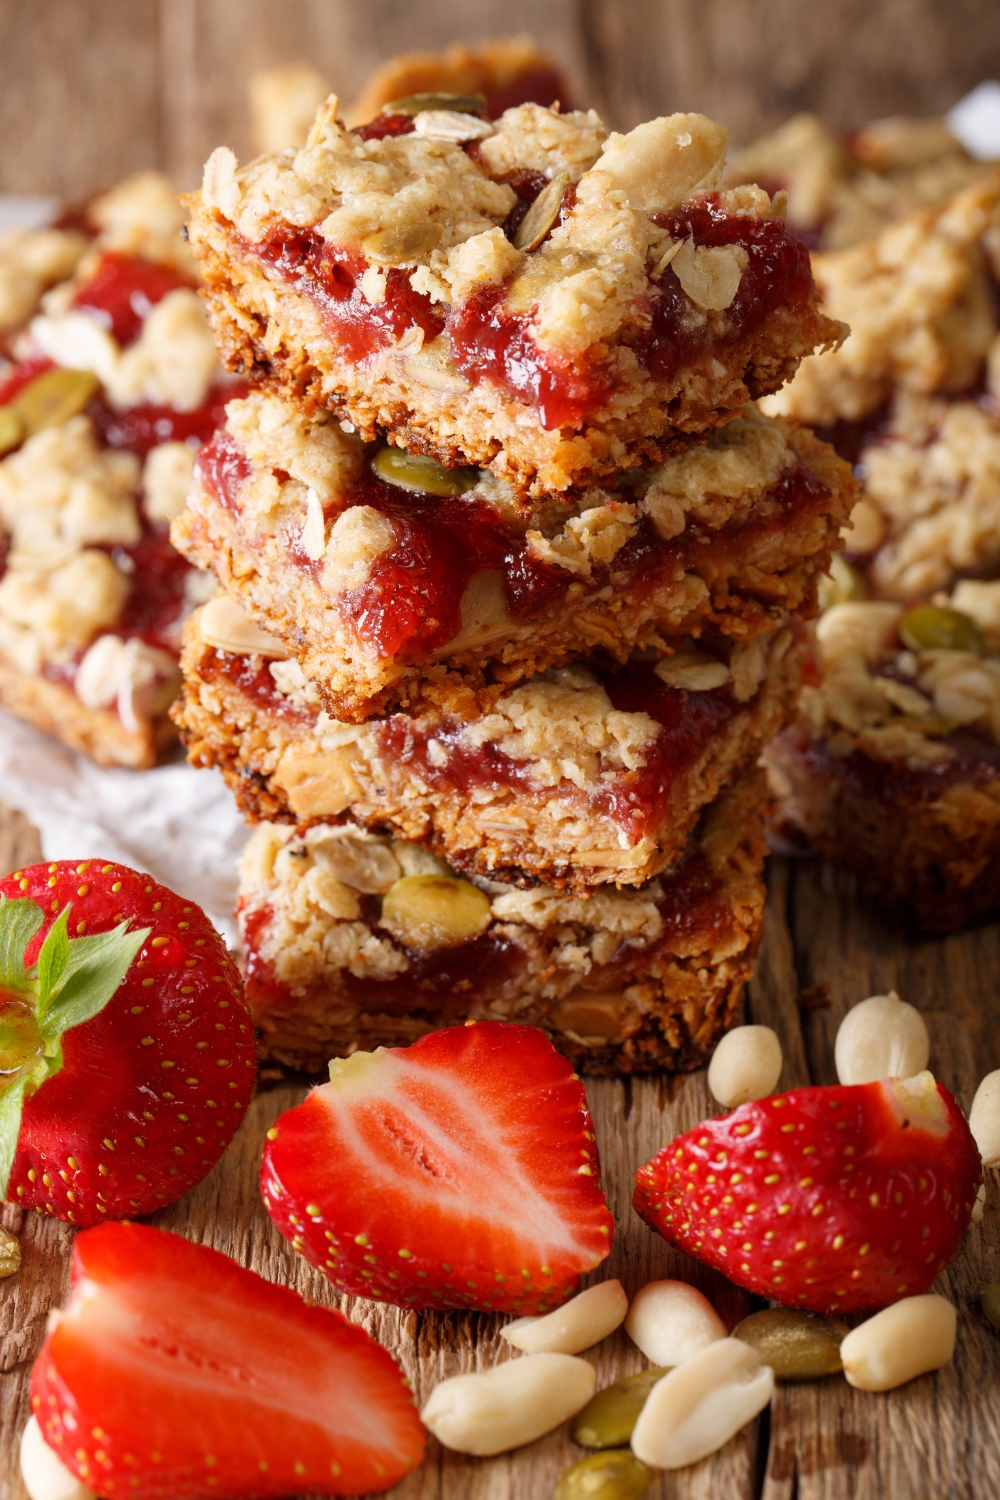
x,y
353,940
114,386
579,777
388,594
920,299
892,768
533,294
844,190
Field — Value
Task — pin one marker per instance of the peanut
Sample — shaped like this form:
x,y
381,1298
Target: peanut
x,y
670,1321
882,1037
495,1410
10,1254
223,625
746,1065
903,1341
45,1476
984,1119
698,1407
577,1325
434,911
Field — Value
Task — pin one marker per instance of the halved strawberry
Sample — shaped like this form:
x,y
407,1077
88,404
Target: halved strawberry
x,y
837,1199
174,1372
459,1172
126,1048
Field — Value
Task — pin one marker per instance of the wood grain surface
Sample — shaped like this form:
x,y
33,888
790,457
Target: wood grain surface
x,y
93,89
937,1437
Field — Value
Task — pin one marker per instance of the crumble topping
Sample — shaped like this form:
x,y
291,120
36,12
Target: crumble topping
x,y
896,703
738,463
49,616
166,479
139,680
30,261
173,362
919,304
933,483
535,139
312,449
142,216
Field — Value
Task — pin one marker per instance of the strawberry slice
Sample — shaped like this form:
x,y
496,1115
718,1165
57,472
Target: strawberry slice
x,y
126,1047
175,1372
836,1199
459,1172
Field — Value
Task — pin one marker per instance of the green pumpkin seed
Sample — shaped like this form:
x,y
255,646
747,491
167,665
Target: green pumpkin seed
x,y
542,214
399,243
930,627
11,429
608,1418
614,1475
797,1345
843,582
989,1301
415,104
53,397
424,476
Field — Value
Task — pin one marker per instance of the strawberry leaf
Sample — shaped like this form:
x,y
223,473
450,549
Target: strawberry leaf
x,y
11,1106
20,919
94,970
53,957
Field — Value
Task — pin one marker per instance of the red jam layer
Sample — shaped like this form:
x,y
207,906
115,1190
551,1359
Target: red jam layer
x,y
157,597
251,676
144,427
122,291
410,606
331,278
488,342
635,800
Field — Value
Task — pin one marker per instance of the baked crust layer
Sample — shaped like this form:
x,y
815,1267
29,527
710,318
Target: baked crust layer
x,y
625,981
372,274
394,606
576,779
98,732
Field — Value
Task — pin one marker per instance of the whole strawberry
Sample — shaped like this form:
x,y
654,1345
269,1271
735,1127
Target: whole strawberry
x,y
461,1171
175,1374
836,1199
126,1047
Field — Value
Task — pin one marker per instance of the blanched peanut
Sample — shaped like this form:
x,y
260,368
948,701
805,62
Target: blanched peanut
x,y
577,1325
698,1407
434,911
45,1476
883,1037
223,624
670,1321
746,1065
984,1119
901,1342
510,1405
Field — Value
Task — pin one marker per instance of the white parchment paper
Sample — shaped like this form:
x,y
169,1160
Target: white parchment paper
x,y
180,824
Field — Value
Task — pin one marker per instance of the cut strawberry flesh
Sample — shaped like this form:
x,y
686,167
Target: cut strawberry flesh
x,y
174,1372
459,1172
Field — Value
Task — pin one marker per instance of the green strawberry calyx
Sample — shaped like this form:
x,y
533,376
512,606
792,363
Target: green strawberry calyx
x,y
70,982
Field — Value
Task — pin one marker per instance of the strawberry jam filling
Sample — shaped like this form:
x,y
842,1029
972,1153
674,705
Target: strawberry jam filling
x,y
331,277
123,290
489,342
411,605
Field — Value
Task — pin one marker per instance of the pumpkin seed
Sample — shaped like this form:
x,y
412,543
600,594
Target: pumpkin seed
x,y
542,214
989,1301
931,627
608,1417
613,1475
400,242
415,104
412,471
797,1345
53,397
843,582
11,429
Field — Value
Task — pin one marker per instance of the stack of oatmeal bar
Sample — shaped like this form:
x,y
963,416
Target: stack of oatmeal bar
x,y
109,381
892,766
513,572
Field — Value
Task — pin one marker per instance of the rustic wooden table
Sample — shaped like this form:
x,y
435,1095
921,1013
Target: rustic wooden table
x,y
937,1437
